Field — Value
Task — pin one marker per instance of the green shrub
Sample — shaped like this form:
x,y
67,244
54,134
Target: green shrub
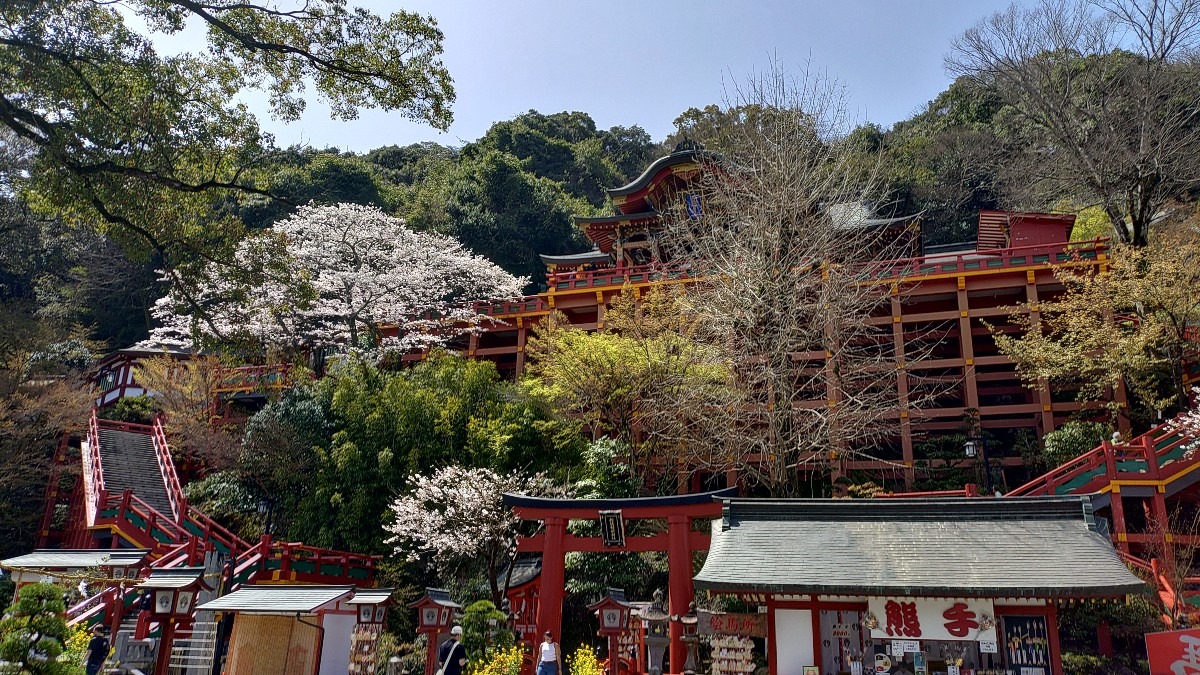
x,y
135,409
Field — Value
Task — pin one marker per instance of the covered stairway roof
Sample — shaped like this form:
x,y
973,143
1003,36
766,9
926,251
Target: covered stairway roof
x,y
278,599
60,558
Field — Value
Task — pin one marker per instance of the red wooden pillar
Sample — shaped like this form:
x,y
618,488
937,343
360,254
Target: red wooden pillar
x,y
1104,639
553,578
1056,664
679,569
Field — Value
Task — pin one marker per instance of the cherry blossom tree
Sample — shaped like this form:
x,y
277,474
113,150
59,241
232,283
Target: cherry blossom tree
x,y
457,519
338,276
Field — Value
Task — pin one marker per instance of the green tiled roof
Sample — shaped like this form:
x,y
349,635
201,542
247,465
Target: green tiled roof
x,y
977,547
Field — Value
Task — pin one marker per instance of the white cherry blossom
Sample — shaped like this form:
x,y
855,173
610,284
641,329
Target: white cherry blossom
x,y
346,276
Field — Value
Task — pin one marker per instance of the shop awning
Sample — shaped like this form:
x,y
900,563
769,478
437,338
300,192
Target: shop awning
x,y
58,558
977,547
278,599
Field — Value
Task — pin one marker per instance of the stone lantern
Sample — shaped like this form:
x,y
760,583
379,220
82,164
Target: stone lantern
x,y
691,640
613,612
656,621
435,614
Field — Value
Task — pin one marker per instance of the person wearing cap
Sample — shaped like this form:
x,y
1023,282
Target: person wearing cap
x,y
550,662
97,650
452,656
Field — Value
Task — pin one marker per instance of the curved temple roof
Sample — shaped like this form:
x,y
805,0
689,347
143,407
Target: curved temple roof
x,y
977,547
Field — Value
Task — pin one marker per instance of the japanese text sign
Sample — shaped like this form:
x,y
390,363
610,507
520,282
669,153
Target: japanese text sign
x,y
746,625
933,618
1175,652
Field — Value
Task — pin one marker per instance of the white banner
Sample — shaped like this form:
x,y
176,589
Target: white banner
x,y
932,618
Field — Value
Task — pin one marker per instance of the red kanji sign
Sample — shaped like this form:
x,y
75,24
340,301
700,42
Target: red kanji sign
x,y
931,618
902,619
960,620
1175,652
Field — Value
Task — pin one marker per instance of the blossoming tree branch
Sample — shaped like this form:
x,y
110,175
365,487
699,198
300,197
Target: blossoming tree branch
x,y
344,276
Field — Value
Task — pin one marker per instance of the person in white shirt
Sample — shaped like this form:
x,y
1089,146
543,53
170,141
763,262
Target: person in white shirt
x,y
550,661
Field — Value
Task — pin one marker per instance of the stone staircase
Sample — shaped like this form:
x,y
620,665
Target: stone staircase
x,y
130,463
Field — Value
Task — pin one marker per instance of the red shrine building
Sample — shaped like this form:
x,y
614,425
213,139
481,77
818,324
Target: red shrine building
x,y
947,294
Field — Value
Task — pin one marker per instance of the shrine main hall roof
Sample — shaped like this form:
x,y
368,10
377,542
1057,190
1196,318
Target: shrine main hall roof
x,y
970,547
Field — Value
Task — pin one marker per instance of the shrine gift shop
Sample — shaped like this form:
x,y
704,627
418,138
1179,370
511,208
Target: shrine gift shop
x,y
913,586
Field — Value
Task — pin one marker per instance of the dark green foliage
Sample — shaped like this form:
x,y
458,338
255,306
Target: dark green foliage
x,y
331,459
567,148
944,162
1072,440
501,211
154,141
34,632
484,630
221,496
279,452
1128,623
136,409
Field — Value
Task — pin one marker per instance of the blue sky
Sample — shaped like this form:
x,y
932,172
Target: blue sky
x,y
629,62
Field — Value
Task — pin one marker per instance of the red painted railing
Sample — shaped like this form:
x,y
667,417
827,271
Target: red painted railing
x,y
211,530
51,499
1106,461
967,261
92,608
904,268
166,466
93,473
618,276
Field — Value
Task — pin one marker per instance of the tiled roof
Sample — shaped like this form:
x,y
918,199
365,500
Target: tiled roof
x,y
278,599
439,596
58,558
174,577
1045,547
371,596
589,257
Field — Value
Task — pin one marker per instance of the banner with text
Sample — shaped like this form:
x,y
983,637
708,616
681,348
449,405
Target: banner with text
x,y
932,618
1174,652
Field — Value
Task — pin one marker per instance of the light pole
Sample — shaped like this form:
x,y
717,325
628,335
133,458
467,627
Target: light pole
x,y
975,446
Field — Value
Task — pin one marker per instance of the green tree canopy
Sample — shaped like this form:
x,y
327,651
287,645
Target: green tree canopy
x,y
144,142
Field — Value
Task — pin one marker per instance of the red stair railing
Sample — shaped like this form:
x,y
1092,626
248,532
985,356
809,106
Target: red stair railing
x,y
166,465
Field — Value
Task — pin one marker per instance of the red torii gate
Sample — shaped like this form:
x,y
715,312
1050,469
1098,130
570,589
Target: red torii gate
x,y
679,541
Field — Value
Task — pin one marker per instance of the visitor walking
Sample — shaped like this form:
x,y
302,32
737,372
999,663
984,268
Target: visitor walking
x,y
550,662
97,651
452,656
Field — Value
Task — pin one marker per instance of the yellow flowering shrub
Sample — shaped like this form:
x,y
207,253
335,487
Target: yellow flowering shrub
x,y
584,662
505,661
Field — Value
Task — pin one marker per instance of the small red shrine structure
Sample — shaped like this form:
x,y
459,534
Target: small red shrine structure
x,y
554,542
435,614
613,612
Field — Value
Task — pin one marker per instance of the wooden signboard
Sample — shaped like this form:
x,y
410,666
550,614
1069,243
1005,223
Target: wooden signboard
x,y
748,625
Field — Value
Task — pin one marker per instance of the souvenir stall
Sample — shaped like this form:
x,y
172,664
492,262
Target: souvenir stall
x,y
910,586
